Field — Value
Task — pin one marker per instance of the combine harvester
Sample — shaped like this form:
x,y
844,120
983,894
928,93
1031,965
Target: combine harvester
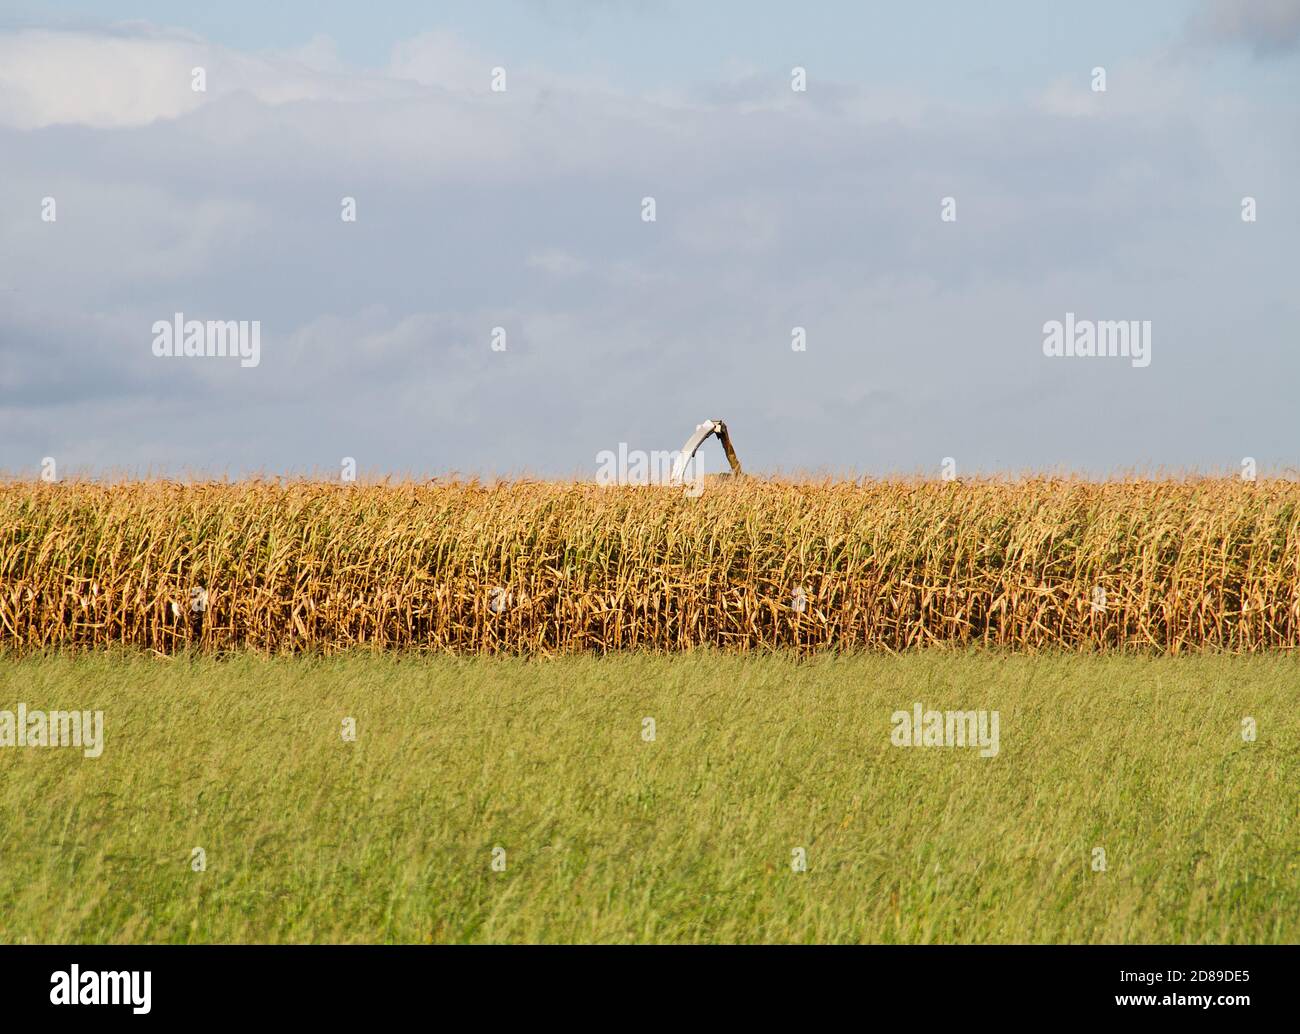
x,y
702,433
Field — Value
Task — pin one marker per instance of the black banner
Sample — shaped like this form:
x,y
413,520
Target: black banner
x,y
147,984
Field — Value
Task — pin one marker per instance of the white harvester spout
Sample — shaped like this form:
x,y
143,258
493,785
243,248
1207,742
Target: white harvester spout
x,y
693,443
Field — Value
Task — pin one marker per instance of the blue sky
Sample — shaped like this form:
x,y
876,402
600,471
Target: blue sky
x,y
522,209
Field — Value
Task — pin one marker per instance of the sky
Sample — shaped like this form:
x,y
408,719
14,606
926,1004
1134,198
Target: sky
x,y
951,180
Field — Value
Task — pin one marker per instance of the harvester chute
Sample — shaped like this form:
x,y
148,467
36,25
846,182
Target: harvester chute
x,y
702,433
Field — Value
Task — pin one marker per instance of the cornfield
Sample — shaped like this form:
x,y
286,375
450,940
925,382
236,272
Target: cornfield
x,y
546,568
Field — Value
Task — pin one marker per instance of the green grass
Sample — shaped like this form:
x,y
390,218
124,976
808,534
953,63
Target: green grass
x,y
688,838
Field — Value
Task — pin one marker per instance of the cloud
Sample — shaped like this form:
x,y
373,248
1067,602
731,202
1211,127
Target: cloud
x,y
441,59
1270,28
117,80
558,262
523,210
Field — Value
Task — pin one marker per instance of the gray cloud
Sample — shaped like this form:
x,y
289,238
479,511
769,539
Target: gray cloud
x,y
1268,27
522,210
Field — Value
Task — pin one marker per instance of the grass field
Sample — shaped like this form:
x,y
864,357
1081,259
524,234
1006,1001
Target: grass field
x,y
688,837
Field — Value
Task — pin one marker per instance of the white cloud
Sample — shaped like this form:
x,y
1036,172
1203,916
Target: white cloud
x,y
1158,84
442,59
558,262
110,80
49,78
